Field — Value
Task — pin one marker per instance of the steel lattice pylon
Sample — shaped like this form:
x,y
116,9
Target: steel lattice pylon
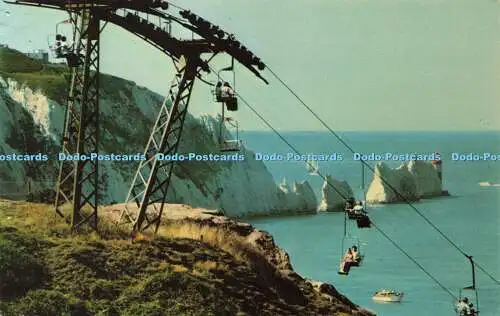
x,y
78,179
151,181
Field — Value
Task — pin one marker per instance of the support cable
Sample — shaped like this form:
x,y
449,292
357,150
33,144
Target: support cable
x,y
362,161
329,184
345,198
414,261
381,178
176,6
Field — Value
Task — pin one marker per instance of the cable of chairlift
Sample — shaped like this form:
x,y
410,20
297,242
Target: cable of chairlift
x,y
175,6
405,200
364,163
343,196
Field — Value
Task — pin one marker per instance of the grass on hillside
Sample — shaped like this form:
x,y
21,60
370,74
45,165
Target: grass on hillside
x,y
45,270
15,61
52,85
40,219
188,269
52,79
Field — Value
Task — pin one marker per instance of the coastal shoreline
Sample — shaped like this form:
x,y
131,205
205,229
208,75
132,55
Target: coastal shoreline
x,y
199,250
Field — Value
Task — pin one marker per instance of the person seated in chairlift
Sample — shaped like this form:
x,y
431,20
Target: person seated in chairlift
x,y
64,46
349,204
226,91
359,207
355,254
463,307
347,261
58,46
472,311
218,91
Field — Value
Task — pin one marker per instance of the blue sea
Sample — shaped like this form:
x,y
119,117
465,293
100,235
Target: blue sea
x,y
470,218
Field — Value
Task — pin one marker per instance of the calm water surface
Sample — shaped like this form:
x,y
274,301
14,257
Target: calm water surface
x,y
470,218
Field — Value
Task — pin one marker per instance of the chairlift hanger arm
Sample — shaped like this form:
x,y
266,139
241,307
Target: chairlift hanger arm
x,y
473,286
162,40
34,4
198,75
167,44
143,5
215,39
203,80
223,41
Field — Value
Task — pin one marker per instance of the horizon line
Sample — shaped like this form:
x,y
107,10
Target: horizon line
x,y
375,131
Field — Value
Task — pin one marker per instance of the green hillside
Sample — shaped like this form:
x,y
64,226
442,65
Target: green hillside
x,y
52,79
189,269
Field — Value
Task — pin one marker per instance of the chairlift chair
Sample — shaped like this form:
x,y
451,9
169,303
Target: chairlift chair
x,y
231,104
58,37
351,214
353,241
348,209
361,217
473,291
230,145
342,269
474,299
345,270
57,52
363,221
341,272
349,240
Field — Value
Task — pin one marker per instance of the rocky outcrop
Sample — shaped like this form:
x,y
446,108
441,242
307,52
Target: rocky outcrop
x,y
427,179
329,292
319,297
299,199
412,181
334,193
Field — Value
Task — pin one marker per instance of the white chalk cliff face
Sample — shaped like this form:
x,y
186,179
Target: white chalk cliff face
x,y
413,180
427,178
331,200
299,198
32,122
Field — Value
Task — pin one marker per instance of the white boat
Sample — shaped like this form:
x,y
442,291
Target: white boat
x,y
489,184
388,296
312,167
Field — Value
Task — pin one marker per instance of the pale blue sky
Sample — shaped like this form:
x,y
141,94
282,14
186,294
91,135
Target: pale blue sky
x,y
360,64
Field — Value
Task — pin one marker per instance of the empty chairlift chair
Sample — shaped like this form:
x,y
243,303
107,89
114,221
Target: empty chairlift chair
x,y
229,145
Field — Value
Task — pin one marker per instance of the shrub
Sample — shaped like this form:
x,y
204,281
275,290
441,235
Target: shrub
x,y
19,270
145,309
43,303
44,196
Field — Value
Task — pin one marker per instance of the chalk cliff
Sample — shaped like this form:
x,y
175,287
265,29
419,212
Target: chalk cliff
x,y
32,119
413,180
299,198
331,200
